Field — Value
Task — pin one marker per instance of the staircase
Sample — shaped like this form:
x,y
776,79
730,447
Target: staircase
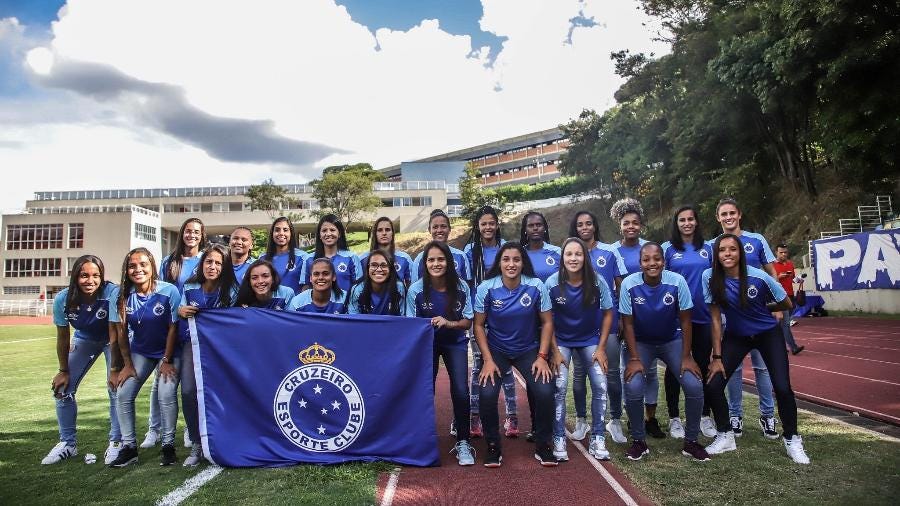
x,y
867,218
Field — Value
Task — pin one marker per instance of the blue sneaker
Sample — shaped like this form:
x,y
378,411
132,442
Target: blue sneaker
x,y
465,454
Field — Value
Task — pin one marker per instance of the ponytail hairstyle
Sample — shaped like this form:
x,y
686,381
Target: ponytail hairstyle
x,y
523,235
590,294
573,225
675,237
291,246
335,289
717,281
390,286
373,243
527,267
452,281
126,285
227,283
74,294
246,296
342,235
475,241
175,258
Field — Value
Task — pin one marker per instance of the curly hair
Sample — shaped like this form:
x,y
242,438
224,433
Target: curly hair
x,y
625,206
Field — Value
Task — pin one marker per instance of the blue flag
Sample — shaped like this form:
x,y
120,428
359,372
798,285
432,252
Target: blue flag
x,y
278,388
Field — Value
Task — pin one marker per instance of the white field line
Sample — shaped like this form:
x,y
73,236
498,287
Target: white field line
x,y
879,348
848,375
387,498
190,486
618,488
851,356
27,340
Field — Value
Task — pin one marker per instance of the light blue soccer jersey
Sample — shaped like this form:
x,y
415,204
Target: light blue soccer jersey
x,y
90,321
149,318
512,316
756,249
574,324
279,299
655,308
488,255
756,317
545,260
287,272
303,303
459,259
241,269
691,263
402,264
188,268
631,255
609,265
193,295
347,269
380,303
435,304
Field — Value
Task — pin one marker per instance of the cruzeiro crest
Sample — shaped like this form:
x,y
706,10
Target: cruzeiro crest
x,y
668,299
318,406
748,248
601,262
752,292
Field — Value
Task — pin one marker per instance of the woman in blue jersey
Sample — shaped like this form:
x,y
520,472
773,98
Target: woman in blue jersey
x,y
757,254
747,297
283,253
582,317
331,243
261,288
213,286
653,303
146,339
240,244
325,296
687,254
382,238
510,308
444,298
609,266
380,292
439,228
535,238
84,306
481,249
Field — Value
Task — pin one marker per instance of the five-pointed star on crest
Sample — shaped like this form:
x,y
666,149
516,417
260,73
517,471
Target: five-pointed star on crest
x,y
321,429
302,403
336,405
324,411
317,389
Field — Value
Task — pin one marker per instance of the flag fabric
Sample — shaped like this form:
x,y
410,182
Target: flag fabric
x,y
278,388
858,261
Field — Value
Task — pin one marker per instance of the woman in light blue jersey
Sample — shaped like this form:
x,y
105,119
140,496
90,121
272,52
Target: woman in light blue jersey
x,y
582,316
240,244
382,238
212,286
535,238
261,288
747,297
283,253
146,339
84,306
380,292
331,243
439,228
325,296
445,299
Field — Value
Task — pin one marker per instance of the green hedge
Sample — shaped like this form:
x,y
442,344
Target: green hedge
x,y
560,187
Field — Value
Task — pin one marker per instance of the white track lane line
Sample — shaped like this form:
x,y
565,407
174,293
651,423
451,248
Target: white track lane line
x,y
27,340
879,348
391,488
851,356
845,374
190,486
618,488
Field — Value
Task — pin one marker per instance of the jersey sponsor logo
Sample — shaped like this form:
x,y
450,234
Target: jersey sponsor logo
x,y
194,303
678,256
752,292
560,300
72,316
159,309
601,262
525,300
101,314
342,267
668,299
703,253
640,300
748,248
427,306
497,303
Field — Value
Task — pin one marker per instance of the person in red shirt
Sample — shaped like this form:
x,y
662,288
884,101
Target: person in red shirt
x,y
784,272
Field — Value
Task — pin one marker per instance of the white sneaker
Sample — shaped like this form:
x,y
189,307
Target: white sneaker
x,y
614,427
59,452
724,442
187,440
112,452
676,429
581,429
559,448
708,427
195,457
151,439
465,454
794,447
597,448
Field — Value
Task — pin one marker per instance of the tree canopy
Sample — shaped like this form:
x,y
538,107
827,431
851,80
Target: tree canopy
x,y
346,191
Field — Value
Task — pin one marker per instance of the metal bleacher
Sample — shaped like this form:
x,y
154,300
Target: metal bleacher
x,y
867,218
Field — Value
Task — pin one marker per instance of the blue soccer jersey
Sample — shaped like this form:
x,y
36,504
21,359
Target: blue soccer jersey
x,y
90,321
756,249
149,318
188,268
512,316
655,308
691,263
756,317
609,265
241,269
347,269
278,301
303,303
290,277
459,260
574,324
402,263
436,305
193,295
545,260
631,255
380,302
488,255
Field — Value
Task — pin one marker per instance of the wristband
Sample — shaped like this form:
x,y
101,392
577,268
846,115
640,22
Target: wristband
x,y
544,356
717,357
167,360
634,360
63,370
115,369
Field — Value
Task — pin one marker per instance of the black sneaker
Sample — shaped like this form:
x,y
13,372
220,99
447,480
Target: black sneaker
x,y
651,426
638,450
530,436
127,455
492,457
797,350
694,450
544,454
737,425
167,455
767,424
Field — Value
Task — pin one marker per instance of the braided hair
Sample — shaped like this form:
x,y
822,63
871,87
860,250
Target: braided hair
x,y
477,249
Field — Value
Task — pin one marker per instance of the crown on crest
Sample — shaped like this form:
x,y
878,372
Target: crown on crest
x,y
317,354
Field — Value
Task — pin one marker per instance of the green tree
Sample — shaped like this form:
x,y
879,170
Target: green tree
x,y
269,197
346,191
474,196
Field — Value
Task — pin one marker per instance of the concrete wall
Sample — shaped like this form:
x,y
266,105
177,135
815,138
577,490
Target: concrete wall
x,y
867,301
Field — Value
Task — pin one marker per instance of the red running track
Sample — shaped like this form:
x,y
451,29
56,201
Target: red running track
x,y
26,320
520,480
849,363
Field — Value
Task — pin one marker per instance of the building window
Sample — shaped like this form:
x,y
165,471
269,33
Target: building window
x,y
53,290
407,202
33,267
34,236
21,290
76,235
145,232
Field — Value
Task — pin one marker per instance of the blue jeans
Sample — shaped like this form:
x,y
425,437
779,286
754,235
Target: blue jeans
x,y
584,355
168,401
786,328
456,361
670,354
153,420
763,386
82,354
541,392
615,349
189,393
509,384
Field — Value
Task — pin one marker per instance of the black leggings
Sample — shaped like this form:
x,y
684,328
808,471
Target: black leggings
x,y
701,348
771,346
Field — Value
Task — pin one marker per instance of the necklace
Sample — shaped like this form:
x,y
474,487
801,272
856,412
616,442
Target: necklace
x,y
140,312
